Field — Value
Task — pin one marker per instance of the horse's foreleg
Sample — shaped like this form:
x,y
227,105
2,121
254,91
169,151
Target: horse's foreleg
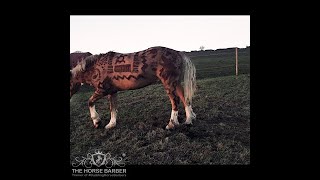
x,y
113,111
93,113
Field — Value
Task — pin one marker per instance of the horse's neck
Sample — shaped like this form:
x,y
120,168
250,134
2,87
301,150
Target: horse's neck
x,y
85,77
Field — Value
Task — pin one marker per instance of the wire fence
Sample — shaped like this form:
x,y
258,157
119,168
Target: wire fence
x,y
210,65
219,54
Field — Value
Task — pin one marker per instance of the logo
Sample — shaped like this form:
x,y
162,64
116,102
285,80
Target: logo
x,y
100,159
89,165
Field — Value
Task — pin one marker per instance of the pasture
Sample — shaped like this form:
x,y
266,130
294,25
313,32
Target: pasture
x,y
219,135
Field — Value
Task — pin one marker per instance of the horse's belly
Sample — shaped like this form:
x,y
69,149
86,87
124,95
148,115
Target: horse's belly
x,y
132,83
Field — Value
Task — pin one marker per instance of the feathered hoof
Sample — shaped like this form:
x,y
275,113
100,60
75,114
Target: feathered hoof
x,y
170,126
110,126
188,123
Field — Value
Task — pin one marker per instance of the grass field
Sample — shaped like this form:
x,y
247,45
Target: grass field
x,y
219,135
216,66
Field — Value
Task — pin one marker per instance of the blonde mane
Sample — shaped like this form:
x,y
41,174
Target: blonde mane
x,y
83,65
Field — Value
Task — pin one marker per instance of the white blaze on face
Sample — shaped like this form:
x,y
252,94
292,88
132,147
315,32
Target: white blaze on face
x,y
174,117
189,114
94,114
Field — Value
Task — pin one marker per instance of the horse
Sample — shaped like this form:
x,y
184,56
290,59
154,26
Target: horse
x,y
75,59
111,72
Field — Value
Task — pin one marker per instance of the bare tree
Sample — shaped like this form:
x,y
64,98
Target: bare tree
x,y
201,48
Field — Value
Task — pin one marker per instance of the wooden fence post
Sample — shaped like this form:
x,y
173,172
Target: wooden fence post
x,y
236,61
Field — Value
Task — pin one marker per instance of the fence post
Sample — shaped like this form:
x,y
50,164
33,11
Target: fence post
x,y
236,61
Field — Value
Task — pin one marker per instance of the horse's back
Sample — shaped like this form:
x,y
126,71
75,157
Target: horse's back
x,y
138,69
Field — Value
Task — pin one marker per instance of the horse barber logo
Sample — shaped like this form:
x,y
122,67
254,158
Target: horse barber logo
x,y
99,159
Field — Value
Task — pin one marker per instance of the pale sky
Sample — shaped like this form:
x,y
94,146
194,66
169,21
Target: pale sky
x,y
126,34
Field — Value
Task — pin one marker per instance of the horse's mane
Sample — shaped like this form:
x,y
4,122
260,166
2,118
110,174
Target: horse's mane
x,y
84,64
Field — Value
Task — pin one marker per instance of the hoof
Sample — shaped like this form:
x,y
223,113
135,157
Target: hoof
x,y
110,125
97,125
175,123
169,126
189,123
189,120
172,124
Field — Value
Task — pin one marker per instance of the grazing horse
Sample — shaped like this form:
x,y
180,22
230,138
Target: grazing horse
x,y
75,59
112,72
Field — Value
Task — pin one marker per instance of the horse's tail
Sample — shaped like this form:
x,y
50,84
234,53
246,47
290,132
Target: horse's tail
x,y
189,78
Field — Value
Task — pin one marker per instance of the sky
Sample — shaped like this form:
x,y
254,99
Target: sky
x,y
126,34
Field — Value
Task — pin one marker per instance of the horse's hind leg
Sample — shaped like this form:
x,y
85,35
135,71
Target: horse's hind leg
x,y
93,113
113,111
170,88
190,115
179,91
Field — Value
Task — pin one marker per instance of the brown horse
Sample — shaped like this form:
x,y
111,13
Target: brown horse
x,y
75,59
112,72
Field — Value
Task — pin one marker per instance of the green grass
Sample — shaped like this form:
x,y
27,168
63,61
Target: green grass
x,y
216,66
219,135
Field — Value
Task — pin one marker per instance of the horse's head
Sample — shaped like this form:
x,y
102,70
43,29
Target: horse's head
x,y
75,59
74,85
